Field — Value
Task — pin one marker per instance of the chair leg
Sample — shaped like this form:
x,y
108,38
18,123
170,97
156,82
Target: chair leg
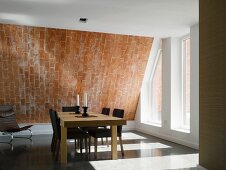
x,y
106,137
29,137
52,144
86,147
107,141
57,149
122,150
102,141
89,144
76,145
81,141
11,138
95,152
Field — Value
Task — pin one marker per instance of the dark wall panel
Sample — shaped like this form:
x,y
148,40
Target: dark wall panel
x,y
213,84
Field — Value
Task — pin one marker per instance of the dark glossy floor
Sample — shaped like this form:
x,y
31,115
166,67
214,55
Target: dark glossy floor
x,y
141,152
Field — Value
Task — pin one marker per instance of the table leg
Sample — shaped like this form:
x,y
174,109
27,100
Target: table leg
x,y
63,145
114,153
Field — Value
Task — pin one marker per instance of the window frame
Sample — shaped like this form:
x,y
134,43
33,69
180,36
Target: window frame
x,y
152,121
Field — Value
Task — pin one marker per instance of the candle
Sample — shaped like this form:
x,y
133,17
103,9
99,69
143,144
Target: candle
x,y
77,99
85,100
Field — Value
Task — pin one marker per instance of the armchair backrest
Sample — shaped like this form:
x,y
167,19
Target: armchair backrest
x,y
7,119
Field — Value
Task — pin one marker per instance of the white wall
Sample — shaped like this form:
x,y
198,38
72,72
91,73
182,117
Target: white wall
x,y
170,54
176,81
194,34
166,84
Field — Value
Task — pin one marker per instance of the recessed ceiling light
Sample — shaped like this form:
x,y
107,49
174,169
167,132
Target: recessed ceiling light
x,y
83,20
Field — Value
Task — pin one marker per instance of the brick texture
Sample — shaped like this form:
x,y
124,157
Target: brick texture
x,y
43,68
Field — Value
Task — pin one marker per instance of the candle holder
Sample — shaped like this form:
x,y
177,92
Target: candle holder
x,y
77,110
85,114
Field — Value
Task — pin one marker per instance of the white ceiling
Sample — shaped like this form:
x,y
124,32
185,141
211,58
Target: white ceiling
x,y
160,18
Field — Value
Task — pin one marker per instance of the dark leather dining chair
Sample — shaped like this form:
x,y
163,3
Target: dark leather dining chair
x,y
68,109
79,142
102,132
71,134
105,111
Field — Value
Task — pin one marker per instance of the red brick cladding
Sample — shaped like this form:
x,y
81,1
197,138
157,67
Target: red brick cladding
x,y
43,68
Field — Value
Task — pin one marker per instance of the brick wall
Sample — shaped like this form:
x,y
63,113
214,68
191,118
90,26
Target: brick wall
x,y
43,68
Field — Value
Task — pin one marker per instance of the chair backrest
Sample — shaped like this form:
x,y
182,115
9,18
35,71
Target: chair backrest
x,y
68,109
105,111
7,119
51,117
120,114
55,123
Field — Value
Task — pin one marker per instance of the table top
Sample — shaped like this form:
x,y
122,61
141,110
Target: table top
x,y
70,119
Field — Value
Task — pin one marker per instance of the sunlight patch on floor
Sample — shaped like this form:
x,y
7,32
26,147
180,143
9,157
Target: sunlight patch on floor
x,y
139,146
156,163
131,136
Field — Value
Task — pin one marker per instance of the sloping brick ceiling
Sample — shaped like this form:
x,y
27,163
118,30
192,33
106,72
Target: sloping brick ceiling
x,y
43,68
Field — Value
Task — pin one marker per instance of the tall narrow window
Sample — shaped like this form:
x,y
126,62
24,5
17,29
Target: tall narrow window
x,y
186,84
156,91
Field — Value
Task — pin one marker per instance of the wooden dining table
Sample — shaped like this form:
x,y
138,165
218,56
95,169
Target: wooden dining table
x,y
70,120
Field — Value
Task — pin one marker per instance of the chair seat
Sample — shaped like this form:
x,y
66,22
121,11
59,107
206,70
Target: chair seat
x,y
101,133
72,133
18,129
88,128
75,133
105,132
